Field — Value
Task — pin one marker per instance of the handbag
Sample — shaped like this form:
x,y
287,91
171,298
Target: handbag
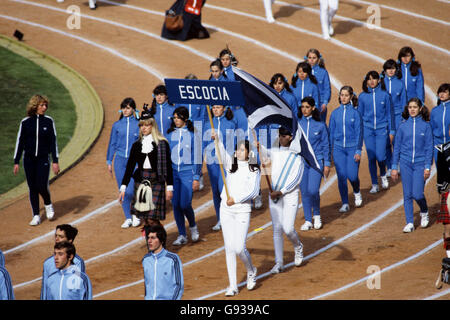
x,y
174,22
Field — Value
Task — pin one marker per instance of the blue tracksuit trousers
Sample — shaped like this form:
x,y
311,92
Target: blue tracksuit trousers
x,y
413,188
309,188
120,164
215,178
182,200
37,170
375,141
346,168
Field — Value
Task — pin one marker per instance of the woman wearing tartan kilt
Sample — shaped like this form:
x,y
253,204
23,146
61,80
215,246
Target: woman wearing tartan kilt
x,y
443,187
151,154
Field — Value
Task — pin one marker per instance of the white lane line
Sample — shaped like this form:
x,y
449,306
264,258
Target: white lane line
x,y
409,13
390,32
393,266
438,295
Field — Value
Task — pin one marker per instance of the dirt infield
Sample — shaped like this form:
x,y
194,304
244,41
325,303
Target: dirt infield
x,y
120,54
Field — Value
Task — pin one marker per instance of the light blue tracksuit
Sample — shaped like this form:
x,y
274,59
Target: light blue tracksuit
x,y
226,130
2,259
163,276
49,268
124,133
6,287
306,88
396,89
413,153
317,134
440,124
378,117
163,117
346,139
68,284
228,71
414,85
186,157
323,82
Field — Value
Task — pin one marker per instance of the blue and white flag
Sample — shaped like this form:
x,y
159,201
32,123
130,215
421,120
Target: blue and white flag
x,y
263,105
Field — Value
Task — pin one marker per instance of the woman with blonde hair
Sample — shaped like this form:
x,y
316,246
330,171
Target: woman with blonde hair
x,y
37,140
151,154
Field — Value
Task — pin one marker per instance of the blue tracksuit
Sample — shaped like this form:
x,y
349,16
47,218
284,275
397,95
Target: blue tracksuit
x,y
240,119
186,157
226,129
6,287
346,139
49,268
229,73
163,117
68,284
124,133
163,276
413,151
305,88
414,85
378,116
323,79
440,124
2,259
317,134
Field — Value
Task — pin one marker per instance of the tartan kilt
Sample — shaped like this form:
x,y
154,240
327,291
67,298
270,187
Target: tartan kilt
x,y
443,214
159,198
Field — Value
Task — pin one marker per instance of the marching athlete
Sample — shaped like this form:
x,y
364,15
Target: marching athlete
x,y
243,183
37,140
225,126
161,109
287,169
268,10
317,63
440,117
346,139
304,83
413,155
317,133
186,168
124,133
228,60
411,74
216,70
377,112
328,9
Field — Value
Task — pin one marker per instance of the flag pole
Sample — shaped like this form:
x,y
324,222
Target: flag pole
x,y
216,143
262,164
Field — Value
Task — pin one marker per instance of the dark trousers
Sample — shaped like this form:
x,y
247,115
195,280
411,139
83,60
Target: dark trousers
x,y
37,171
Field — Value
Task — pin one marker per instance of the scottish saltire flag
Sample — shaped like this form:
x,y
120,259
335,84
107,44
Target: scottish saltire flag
x,y
263,105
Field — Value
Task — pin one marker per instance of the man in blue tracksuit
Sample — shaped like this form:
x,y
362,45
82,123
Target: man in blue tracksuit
x,y
68,282
6,287
376,109
163,270
162,110
124,133
63,232
186,164
440,117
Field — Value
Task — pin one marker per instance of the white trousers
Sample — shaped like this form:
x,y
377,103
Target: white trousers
x,y
234,230
268,8
328,9
283,214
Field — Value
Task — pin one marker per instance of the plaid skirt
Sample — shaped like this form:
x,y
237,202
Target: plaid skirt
x,y
443,214
159,198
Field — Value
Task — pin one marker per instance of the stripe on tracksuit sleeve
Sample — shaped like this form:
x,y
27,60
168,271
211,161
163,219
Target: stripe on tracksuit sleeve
x,y
7,284
255,191
297,179
19,144
178,276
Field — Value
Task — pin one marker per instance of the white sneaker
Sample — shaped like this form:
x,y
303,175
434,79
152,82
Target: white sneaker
x,y
326,37
135,221
194,234
60,1
298,255
374,189
317,222
127,223
231,292
306,226
425,220
251,279
258,202
277,268
345,207
358,199
330,30
384,182
180,241
270,19
202,185
49,212
217,226
36,220
408,228
92,4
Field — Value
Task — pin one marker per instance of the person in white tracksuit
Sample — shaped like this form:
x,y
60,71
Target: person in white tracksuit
x,y
286,173
243,183
268,9
328,9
